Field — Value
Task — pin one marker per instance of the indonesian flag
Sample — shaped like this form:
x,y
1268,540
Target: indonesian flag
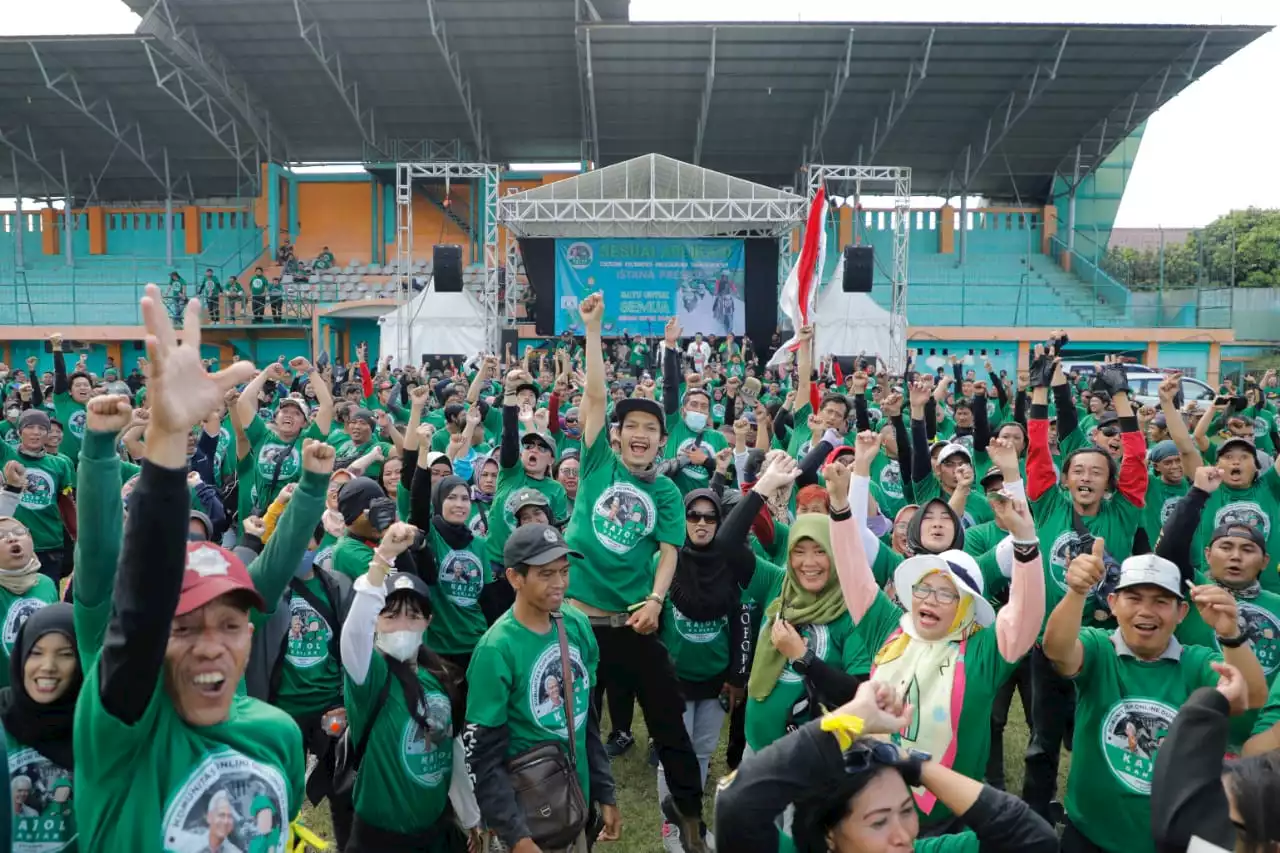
x,y
800,291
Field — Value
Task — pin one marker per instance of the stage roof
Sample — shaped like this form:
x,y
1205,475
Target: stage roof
x,y
220,85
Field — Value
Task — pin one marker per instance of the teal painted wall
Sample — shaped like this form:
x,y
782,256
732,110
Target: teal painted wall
x,y
1191,358
1099,195
930,355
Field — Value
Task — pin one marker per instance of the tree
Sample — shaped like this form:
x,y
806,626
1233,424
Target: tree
x,y
1241,247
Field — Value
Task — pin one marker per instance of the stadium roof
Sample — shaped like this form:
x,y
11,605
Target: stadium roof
x,y
221,85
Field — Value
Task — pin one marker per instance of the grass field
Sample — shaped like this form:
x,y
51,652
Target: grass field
x,y
638,793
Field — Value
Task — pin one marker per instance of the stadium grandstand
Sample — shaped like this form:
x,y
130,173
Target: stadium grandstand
x,y
186,147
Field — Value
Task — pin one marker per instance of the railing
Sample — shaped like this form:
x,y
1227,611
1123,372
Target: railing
x,y
94,304
1088,270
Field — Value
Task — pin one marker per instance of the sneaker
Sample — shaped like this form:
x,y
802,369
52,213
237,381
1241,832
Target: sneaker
x,y
693,832
653,754
671,839
618,743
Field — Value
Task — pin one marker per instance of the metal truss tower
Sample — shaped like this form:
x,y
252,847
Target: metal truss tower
x,y
900,179
485,176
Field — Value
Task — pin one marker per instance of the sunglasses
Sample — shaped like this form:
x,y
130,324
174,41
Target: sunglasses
x,y
923,592
1109,431
695,516
863,756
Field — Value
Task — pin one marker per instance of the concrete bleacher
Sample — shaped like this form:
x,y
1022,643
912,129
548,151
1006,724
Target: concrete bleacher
x,y
356,280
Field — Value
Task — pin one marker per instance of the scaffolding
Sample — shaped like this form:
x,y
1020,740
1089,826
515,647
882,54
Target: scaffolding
x,y
484,175
899,177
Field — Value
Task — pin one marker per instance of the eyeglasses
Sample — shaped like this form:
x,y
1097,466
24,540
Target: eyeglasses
x,y
695,517
923,592
1109,431
863,756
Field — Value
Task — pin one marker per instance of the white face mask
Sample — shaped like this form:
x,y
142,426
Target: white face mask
x,y
401,645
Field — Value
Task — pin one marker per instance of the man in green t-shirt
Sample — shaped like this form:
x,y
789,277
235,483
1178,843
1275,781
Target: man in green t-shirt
x,y
1130,683
522,688
258,293
49,478
210,290
235,297
275,290
626,516
176,296
70,393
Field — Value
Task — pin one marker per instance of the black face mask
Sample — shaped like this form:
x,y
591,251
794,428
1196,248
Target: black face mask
x,y
381,513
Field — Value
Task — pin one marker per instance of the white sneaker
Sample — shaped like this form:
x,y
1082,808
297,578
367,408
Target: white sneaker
x,y
671,838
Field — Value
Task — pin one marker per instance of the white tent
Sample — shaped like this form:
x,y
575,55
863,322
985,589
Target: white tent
x,y
433,324
850,324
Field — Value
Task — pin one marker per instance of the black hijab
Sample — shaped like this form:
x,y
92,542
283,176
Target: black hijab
x,y
709,580
917,521
456,536
44,728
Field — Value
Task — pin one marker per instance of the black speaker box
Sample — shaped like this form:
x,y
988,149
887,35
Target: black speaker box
x,y
858,264
446,263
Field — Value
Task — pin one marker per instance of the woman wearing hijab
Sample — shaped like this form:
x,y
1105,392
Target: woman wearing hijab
x,y
484,478
399,693
38,709
949,651
706,622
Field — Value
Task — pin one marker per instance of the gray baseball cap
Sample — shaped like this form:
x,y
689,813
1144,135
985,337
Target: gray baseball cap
x,y
536,545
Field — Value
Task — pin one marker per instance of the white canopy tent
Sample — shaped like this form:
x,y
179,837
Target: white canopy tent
x,y
850,324
435,324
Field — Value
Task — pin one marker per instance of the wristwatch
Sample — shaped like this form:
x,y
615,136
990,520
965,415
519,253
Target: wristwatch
x,y
801,664
1234,642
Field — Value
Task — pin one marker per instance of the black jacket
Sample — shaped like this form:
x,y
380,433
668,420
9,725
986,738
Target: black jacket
x,y
809,760
1187,798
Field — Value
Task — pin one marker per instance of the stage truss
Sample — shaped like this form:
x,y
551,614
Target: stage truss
x,y
484,175
881,178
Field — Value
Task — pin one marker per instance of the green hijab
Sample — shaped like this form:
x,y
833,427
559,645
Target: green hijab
x,y
803,607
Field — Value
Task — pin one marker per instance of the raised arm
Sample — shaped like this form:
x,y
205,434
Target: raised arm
x,y
1041,475
60,384
671,368
356,645
857,583
921,462
324,398
247,404
1176,426
1018,622
1061,643
276,565
595,397
804,369
1134,473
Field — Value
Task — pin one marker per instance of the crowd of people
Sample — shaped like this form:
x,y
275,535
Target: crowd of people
x,y
410,596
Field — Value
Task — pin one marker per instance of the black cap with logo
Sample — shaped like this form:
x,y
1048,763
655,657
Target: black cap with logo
x,y
535,545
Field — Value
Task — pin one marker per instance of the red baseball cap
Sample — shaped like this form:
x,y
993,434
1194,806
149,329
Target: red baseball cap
x,y
213,571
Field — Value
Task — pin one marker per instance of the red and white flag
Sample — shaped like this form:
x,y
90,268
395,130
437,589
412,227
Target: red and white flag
x,y
800,292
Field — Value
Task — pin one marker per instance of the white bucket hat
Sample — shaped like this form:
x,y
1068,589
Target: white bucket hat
x,y
957,565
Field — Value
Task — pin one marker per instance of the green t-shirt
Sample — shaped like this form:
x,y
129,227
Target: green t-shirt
x,y
457,621
310,676
48,476
801,440
887,474
985,672
1116,522
1161,499
619,523
346,452
147,787
17,609
1124,708
976,508
266,451
403,785
45,822
502,512
1270,714
258,285
351,556
681,439
700,650
516,681
234,287
209,286
71,415
1257,506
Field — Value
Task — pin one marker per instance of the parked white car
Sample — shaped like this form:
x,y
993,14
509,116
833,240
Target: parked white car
x,y
1145,382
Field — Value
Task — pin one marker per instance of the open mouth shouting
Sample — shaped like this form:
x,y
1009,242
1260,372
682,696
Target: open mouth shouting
x,y
1146,629
210,685
47,685
927,617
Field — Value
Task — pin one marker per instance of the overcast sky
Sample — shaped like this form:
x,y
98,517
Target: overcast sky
x,y
1210,150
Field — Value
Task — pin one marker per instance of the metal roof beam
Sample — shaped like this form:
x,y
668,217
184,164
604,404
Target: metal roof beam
x,y
460,81
14,141
830,99
584,12
1104,136
1006,117
161,22
707,87
128,135
917,71
207,111
590,122
349,90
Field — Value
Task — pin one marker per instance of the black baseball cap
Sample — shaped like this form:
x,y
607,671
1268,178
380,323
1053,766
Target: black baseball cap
x,y
403,581
1239,531
355,496
535,545
640,404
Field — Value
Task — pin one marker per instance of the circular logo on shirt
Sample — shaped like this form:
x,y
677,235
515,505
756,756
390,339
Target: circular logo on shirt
x,y
1166,508
1263,628
478,526
1131,735
427,755
1244,514
546,690
965,441
1064,549
349,452
42,490
228,802
815,637
1261,426
623,516
75,423
874,416
324,558
717,411
696,631
992,407
309,635
19,612
41,792
695,472
461,577
891,479
269,456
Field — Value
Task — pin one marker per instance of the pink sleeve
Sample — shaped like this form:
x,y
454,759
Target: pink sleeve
x,y
1018,622
856,582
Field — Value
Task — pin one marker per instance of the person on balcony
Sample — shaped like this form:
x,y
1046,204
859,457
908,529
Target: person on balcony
x,y
275,291
176,295
235,298
210,290
324,260
258,293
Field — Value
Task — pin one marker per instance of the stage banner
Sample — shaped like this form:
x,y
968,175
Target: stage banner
x,y
644,282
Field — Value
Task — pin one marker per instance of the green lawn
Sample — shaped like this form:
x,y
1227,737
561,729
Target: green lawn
x,y
638,793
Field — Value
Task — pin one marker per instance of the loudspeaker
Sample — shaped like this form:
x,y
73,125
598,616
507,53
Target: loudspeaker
x,y
858,263
446,263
